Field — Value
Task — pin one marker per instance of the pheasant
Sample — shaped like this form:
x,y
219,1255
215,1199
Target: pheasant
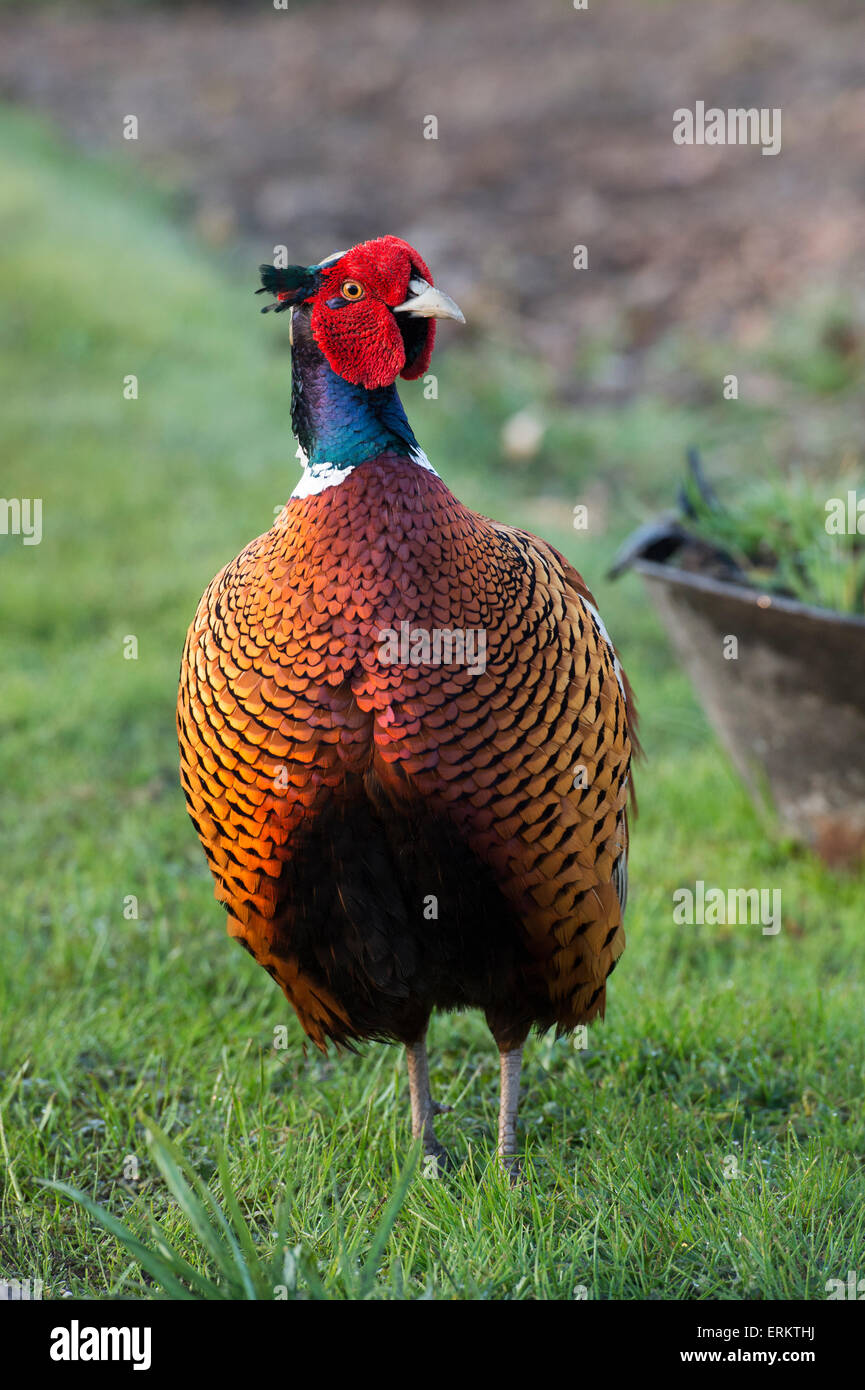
x,y
405,735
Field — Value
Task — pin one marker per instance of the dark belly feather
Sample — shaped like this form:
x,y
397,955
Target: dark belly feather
x,y
396,917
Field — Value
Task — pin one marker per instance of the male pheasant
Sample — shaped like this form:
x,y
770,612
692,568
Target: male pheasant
x,y
405,735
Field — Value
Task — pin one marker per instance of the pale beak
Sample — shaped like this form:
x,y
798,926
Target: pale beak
x,y
426,302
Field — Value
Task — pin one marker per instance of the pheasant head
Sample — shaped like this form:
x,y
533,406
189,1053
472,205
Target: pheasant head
x,y
372,309
359,319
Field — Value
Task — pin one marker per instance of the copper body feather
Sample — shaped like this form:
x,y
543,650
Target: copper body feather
x,y
388,838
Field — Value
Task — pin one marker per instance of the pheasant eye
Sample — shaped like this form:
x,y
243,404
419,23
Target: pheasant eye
x,y
351,290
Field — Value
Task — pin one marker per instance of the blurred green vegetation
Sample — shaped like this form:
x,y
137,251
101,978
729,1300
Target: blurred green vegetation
x,y
773,532
718,1042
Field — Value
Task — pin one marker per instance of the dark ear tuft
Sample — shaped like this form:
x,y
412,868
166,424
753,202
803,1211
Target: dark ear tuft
x,y
291,285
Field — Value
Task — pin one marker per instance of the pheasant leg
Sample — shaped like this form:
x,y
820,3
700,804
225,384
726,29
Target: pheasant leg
x,y
423,1107
510,1064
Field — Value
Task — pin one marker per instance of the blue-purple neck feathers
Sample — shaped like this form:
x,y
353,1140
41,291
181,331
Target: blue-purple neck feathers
x,y
336,422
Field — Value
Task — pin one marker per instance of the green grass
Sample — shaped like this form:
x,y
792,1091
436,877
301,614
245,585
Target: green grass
x,y
719,1042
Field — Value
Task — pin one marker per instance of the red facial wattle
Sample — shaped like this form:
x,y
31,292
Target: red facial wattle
x,y
363,341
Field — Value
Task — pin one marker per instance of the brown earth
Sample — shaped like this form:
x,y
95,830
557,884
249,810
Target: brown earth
x,y
306,127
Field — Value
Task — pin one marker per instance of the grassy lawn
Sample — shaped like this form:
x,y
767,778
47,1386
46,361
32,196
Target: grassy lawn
x,y
709,1142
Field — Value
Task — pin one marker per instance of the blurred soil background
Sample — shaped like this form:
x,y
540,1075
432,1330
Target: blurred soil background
x,y
554,129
